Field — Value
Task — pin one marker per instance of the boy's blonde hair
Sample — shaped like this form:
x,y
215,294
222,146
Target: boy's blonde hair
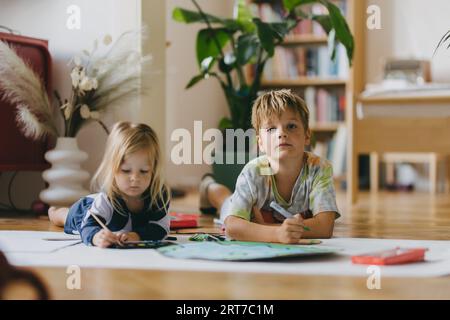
x,y
127,138
274,103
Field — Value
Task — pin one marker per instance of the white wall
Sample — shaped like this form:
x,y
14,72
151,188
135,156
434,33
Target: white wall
x,y
410,29
46,19
205,101
153,102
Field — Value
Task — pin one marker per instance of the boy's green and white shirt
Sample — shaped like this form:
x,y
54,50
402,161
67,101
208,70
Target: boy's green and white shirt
x,y
256,187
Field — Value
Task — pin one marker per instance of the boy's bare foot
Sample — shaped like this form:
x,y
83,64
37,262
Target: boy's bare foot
x,y
205,205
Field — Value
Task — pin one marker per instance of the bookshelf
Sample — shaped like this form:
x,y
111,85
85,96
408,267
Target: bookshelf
x,y
305,39
326,126
302,64
304,82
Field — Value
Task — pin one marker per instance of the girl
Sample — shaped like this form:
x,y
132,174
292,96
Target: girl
x,y
133,202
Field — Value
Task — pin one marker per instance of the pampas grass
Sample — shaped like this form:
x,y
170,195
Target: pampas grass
x,y
98,83
23,88
117,73
120,72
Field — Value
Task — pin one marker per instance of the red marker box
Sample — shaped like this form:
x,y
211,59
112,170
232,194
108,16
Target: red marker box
x,y
393,256
183,220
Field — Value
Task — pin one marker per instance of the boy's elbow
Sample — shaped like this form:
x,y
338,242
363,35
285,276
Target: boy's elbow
x,y
229,229
327,226
328,233
232,227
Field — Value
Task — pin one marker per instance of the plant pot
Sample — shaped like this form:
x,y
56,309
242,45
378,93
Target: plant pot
x,y
65,177
231,158
227,174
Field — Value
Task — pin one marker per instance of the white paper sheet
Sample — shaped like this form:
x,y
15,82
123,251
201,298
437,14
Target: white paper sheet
x,y
437,260
35,241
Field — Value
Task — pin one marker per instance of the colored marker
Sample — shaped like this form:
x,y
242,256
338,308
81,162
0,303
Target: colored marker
x,y
284,212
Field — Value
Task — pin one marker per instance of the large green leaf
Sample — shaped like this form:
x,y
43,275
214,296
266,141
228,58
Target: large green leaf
x,y
332,44
324,21
233,25
265,36
227,63
291,4
210,42
207,64
334,20
244,17
270,33
343,33
279,29
189,16
243,12
247,46
194,81
225,123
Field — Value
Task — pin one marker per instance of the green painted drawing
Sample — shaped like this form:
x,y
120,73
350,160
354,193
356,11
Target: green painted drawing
x,y
240,251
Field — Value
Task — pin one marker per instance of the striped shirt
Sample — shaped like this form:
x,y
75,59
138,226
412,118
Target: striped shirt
x,y
256,187
151,223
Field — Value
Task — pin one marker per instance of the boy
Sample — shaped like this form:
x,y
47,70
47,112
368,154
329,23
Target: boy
x,y
299,181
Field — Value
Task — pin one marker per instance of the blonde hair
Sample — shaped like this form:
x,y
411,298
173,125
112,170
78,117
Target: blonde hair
x,y
127,138
275,103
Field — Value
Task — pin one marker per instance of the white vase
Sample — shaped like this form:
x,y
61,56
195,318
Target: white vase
x,y
65,177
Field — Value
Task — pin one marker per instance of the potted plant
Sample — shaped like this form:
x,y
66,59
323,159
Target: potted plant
x,y
226,46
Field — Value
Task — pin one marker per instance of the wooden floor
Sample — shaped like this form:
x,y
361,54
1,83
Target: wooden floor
x,y
385,215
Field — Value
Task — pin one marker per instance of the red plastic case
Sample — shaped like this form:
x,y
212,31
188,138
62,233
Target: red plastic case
x,y
394,256
183,220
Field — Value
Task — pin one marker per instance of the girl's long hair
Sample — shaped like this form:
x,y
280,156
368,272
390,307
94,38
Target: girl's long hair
x,y
127,138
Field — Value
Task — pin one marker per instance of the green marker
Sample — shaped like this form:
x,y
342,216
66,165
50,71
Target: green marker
x,y
284,212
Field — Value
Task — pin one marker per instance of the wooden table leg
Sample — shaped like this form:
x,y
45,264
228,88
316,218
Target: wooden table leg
x,y
374,172
433,172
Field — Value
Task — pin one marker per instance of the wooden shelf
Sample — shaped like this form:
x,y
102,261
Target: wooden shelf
x,y
305,39
304,82
410,98
326,126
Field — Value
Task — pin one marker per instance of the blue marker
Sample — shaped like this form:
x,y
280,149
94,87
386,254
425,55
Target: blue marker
x,y
284,212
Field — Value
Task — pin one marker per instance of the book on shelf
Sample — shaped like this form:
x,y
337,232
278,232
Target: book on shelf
x,y
325,105
335,150
295,62
273,11
339,153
